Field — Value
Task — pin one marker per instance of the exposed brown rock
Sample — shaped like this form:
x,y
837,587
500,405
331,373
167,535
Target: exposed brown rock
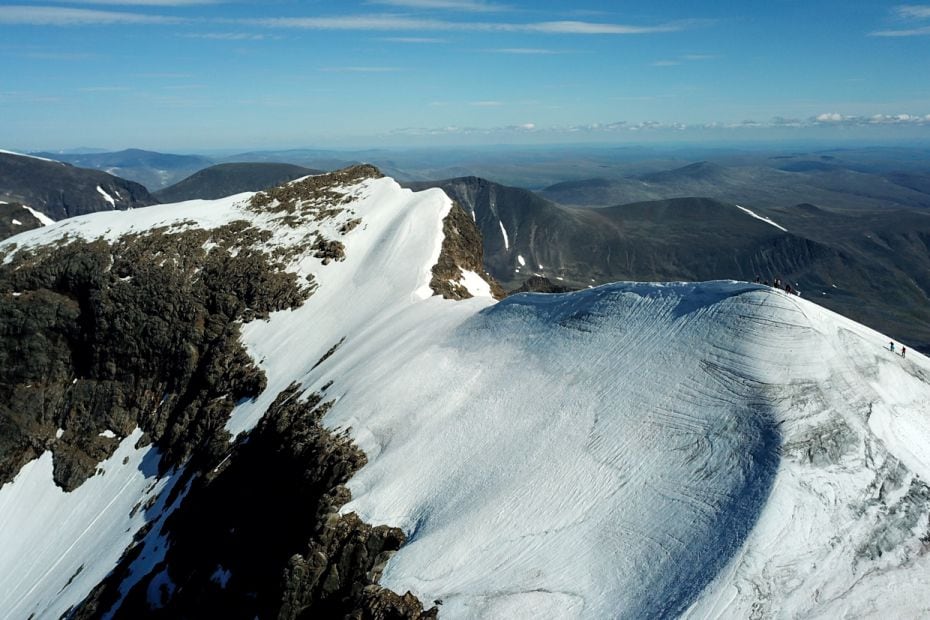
x,y
461,250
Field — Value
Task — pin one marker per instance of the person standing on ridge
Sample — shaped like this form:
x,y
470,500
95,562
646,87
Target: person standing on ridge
x,y
903,350
891,346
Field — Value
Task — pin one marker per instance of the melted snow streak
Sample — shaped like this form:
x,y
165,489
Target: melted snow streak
x,y
504,233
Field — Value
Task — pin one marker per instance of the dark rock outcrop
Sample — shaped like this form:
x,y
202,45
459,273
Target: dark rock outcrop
x,y
14,219
141,332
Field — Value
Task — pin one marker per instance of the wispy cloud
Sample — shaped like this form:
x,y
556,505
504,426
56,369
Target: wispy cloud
x,y
104,89
384,22
615,128
674,62
910,32
699,57
530,51
835,118
486,104
413,40
912,11
471,6
61,16
361,69
142,2
228,36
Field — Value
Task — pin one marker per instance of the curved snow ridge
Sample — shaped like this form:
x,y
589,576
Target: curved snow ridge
x,y
380,291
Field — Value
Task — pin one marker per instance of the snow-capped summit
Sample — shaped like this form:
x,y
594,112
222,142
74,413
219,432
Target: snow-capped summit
x,y
716,449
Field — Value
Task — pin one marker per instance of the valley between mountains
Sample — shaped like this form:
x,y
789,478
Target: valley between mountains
x,y
314,401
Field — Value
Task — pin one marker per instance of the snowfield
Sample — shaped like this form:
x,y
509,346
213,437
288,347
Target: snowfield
x,y
712,450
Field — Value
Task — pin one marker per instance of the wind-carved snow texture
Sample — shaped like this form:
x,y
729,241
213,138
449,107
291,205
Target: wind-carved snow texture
x,y
556,455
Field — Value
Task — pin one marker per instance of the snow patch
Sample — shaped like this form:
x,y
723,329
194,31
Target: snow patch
x,y
106,196
521,260
43,219
5,152
504,233
762,218
108,434
475,284
17,223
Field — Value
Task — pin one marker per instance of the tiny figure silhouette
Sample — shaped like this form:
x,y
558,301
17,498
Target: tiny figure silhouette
x,y
891,346
903,351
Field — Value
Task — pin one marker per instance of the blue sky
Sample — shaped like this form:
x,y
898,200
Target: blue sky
x,y
195,75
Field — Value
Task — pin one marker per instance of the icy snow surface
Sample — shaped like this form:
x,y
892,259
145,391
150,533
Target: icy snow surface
x,y
759,217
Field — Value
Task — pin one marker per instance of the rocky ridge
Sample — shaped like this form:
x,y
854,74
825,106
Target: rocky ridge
x,y
105,334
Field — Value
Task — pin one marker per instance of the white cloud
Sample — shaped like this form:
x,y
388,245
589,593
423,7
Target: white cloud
x,y
524,51
913,11
387,22
472,6
143,2
60,16
361,69
830,117
413,40
228,36
911,32
907,12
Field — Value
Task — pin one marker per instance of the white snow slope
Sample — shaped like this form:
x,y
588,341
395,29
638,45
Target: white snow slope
x,y
634,450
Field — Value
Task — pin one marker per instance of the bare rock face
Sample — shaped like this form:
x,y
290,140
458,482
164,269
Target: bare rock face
x,y
15,219
98,337
260,535
462,250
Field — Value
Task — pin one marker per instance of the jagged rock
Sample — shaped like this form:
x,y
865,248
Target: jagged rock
x,y
267,520
139,332
462,249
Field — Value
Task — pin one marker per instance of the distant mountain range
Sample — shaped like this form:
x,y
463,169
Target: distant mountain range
x,y
227,179
871,266
825,185
61,190
151,169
